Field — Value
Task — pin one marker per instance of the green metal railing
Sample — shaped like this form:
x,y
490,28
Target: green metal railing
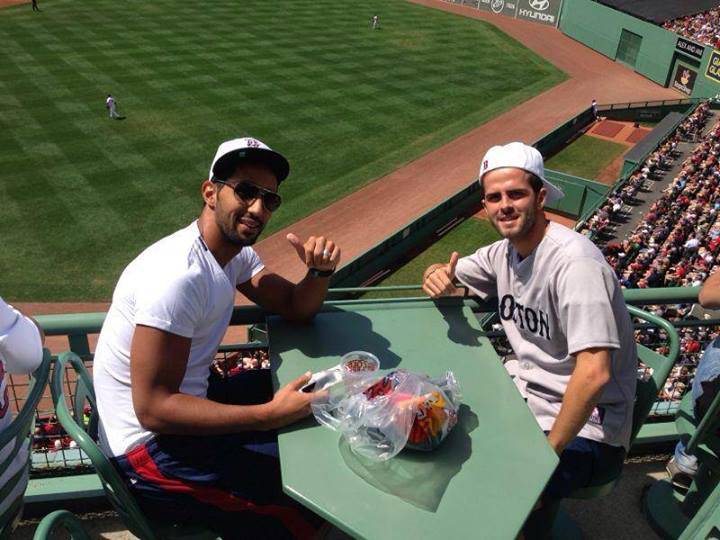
x,y
77,328
647,104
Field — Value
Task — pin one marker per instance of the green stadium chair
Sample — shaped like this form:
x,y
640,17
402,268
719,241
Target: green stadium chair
x,y
60,519
645,396
706,522
694,514
21,429
85,434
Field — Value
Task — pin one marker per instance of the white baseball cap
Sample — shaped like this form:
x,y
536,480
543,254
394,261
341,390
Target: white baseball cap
x,y
519,156
232,152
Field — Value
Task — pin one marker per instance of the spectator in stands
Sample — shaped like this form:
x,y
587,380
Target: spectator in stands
x,y
572,334
703,27
170,311
21,352
682,468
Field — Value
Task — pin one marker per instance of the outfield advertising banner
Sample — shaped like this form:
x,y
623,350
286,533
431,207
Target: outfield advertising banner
x,y
689,47
499,7
713,67
542,11
684,79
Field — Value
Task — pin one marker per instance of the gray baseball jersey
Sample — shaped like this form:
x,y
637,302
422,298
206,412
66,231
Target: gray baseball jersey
x,y
561,299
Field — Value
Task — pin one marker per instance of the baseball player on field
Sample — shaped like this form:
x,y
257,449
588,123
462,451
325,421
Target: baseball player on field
x,y
564,315
111,106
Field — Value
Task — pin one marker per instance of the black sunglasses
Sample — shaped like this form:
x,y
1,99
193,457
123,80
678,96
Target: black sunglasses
x,y
248,192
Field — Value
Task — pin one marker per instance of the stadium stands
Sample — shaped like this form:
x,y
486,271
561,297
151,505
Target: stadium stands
x,y
675,243
702,27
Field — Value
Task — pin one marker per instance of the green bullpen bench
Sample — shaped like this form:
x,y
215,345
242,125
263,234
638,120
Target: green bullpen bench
x,y
645,396
21,430
695,514
71,417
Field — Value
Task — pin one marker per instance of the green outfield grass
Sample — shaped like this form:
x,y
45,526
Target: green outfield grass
x,y
82,194
586,157
466,238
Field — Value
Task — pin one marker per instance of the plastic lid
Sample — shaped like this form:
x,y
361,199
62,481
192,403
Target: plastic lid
x,y
357,361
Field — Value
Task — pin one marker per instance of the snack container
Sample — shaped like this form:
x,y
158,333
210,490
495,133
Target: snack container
x,y
359,362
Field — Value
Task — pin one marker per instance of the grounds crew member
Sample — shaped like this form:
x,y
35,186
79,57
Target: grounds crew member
x,y
563,313
184,456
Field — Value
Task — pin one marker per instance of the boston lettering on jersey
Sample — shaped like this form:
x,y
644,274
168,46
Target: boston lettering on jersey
x,y
536,322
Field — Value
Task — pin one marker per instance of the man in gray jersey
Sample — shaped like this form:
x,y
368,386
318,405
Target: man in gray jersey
x,y
564,315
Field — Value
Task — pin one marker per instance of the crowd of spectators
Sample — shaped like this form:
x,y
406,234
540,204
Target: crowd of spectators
x,y
232,364
703,27
678,239
676,243
603,222
693,341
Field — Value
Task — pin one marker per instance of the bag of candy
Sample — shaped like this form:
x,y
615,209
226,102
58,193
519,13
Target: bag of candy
x,y
380,415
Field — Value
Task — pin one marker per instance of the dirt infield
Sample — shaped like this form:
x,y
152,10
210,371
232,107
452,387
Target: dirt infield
x,y
391,202
608,129
8,3
622,133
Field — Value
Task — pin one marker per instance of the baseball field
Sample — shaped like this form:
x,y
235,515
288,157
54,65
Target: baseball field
x,y
83,194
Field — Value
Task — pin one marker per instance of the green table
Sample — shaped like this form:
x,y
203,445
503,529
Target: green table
x,y
481,483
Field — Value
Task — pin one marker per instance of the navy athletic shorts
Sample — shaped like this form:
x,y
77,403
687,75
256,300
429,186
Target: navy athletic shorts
x,y
228,483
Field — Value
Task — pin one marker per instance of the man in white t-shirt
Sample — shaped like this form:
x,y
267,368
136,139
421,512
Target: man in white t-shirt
x,y
183,455
563,313
20,353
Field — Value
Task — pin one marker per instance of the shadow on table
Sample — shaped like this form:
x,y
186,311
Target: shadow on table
x,y
419,478
350,332
459,330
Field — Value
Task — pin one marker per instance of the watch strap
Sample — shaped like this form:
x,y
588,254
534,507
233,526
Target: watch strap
x,y
321,273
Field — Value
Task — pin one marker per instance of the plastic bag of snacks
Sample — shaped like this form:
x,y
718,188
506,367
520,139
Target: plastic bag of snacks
x,y
380,415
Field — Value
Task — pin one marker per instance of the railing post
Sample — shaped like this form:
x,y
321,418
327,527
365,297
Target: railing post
x,y
79,344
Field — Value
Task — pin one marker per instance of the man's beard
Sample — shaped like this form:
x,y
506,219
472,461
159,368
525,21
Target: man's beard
x,y
231,235
524,229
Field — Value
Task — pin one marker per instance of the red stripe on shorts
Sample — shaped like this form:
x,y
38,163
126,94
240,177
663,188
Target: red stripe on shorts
x,y
291,518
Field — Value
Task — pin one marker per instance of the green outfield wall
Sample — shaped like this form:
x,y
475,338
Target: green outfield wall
x,y
539,11
658,54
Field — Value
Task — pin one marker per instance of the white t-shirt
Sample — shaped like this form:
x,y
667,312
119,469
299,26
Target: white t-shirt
x,y
178,286
561,299
20,353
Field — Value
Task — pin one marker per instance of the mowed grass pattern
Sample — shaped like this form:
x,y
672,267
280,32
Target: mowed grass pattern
x,y
82,195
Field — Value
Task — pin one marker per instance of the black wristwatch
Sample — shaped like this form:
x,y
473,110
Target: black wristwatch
x,y
314,272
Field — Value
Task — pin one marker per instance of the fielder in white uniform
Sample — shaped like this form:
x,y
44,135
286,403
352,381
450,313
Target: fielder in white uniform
x,y
111,107
564,315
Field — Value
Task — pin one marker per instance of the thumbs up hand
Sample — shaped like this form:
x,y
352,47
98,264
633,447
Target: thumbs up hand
x,y
438,279
317,252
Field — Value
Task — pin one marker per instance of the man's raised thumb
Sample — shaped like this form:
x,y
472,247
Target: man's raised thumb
x,y
453,263
297,244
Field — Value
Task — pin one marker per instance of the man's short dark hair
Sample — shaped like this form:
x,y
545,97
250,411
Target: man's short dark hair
x,y
535,183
